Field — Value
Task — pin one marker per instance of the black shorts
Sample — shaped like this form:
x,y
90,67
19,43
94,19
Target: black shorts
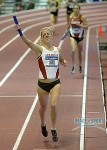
x,y
48,86
54,13
77,39
69,11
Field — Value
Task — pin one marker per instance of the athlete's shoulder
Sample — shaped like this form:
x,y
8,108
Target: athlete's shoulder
x,y
72,15
82,16
56,48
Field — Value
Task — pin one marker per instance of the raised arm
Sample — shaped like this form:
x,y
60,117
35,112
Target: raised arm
x,y
35,47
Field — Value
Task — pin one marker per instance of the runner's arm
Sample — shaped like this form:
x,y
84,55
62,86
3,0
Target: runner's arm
x,y
35,47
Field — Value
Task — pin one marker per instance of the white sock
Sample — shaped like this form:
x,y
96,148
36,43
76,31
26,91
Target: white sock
x,y
53,128
43,125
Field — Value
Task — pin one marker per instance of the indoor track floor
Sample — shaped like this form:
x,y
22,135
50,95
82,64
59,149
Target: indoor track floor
x,y
81,93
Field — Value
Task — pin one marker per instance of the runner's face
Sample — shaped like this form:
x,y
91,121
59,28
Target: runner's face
x,y
46,35
76,9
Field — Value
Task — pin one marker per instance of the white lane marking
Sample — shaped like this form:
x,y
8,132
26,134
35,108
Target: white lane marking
x,y
27,15
17,64
47,16
27,21
15,147
24,16
18,96
22,22
22,13
82,133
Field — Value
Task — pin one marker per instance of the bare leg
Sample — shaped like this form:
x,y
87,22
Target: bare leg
x,y
52,22
73,58
74,47
43,99
80,46
54,96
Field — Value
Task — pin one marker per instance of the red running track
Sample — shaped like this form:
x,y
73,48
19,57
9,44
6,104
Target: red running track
x,y
81,94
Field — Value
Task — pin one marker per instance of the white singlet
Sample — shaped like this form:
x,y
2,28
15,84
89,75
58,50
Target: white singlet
x,y
76,31
49,64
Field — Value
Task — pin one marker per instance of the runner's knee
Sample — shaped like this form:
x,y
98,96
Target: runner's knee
x,y
42,108
53,106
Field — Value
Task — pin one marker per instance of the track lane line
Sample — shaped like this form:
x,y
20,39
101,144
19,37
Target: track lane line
x,y
23,22
17,13
82,133
63,14
17,64
15,147
18,96
23,13
27,21
35,14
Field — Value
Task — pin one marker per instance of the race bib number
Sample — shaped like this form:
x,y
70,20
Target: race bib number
x,y
76,30
51,60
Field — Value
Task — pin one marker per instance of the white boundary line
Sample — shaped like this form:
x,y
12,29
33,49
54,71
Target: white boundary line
x,y
24,16
22,22
21,13
36,13
15,147
18,96
82,133
27,15
17,64
62,14
27,21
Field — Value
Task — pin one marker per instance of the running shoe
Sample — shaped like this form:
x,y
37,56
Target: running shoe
x,y
44,131
80,69
54,135
73,70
